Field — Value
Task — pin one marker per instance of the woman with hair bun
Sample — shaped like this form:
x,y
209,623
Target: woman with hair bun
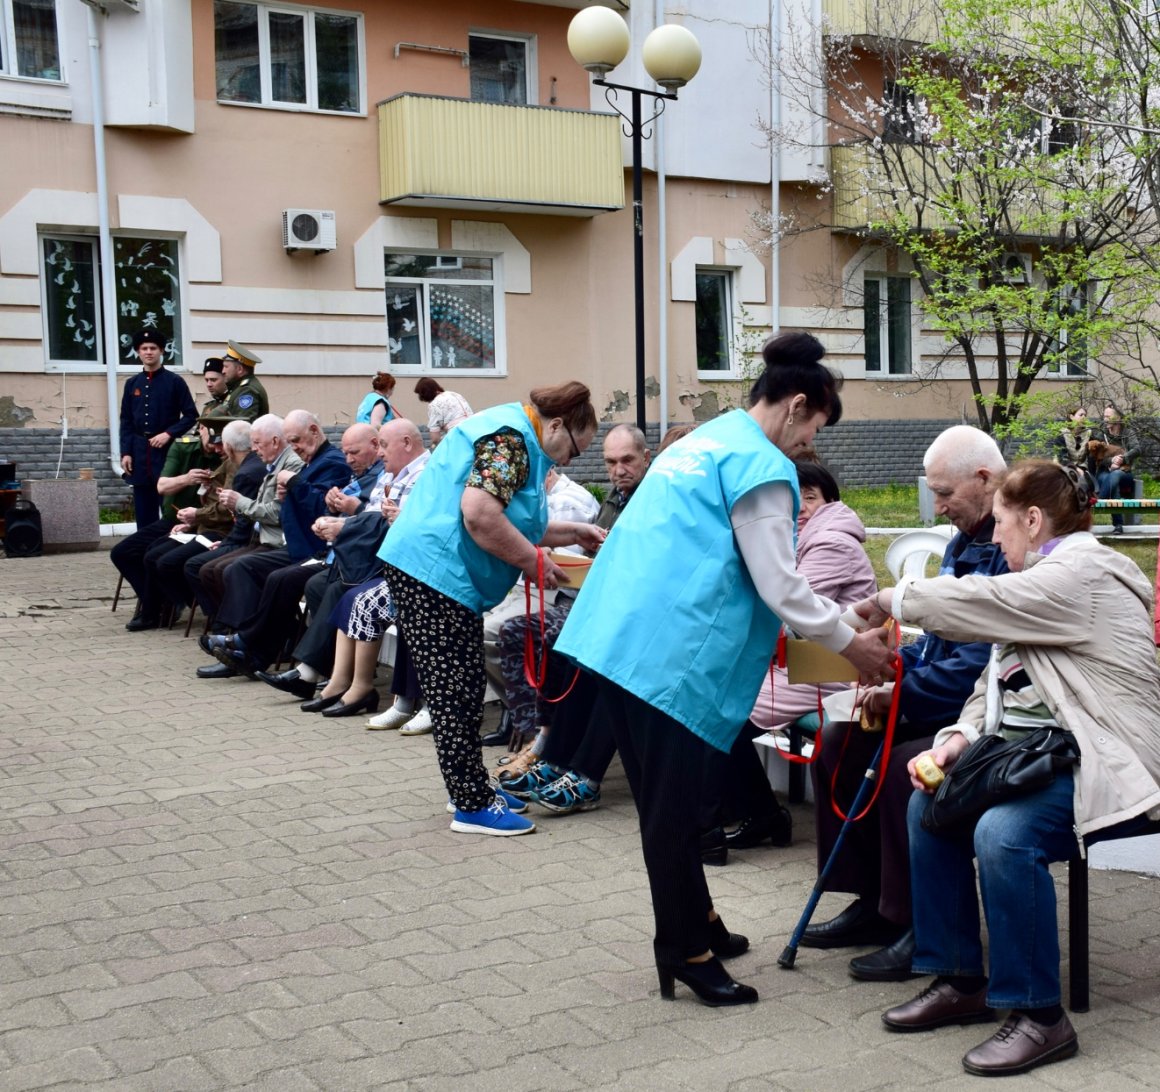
x,y
474,522
701,569
445,409
1071,625
375,408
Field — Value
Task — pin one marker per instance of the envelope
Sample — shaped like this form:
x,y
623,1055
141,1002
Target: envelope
x,y
810,662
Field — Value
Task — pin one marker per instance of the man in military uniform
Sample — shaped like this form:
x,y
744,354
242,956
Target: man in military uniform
x,y
215,383
247,397
188,466
156,408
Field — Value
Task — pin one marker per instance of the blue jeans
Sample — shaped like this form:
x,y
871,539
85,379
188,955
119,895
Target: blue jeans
x,y
1115,485
1013,843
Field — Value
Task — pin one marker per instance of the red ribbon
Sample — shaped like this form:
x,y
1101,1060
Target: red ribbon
x,y
534,673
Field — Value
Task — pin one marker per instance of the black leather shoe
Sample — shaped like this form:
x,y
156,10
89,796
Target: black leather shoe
x,y
289,682
709,981
316,705
217,671
369,703
724,944
776,829
858,924
887,964
501,737
714,851
139,623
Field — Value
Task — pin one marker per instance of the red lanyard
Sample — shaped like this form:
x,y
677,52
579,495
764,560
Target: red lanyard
x,y
887,742
534,673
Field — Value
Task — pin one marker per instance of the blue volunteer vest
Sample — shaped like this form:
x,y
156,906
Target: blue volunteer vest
x,y
429,541
363,414
668,610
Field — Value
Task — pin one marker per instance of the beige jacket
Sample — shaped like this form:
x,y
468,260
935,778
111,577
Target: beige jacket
x,y
1081,618
265,509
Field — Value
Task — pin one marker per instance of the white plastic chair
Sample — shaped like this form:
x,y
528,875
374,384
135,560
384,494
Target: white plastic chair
x,y
909,553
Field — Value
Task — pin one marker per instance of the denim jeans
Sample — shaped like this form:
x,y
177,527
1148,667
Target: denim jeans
x,y
1115,485
1013,843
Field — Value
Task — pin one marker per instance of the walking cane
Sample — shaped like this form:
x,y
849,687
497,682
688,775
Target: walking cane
x,y
789,954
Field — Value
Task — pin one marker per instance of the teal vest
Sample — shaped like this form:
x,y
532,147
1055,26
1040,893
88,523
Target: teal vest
x,y
668,610
429,541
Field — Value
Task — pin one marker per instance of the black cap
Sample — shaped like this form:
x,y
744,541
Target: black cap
x,y
213,364
149,334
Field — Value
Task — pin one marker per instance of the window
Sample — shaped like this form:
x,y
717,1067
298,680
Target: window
x,y
443,312
900,107
499,69
28,39
887,324
147,283
714,321
1069,352
292,58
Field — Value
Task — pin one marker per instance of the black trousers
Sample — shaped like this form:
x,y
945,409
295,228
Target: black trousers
x,y
211,575
736,786
665,766
191,573
165,563
129,558
243,582
875,859
315,647
276,612
580,739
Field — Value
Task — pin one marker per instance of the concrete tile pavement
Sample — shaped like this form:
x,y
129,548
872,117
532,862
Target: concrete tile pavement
x,y
202,887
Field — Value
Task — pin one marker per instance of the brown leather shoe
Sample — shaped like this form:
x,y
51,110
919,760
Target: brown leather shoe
x,y
939,1004
1022,1044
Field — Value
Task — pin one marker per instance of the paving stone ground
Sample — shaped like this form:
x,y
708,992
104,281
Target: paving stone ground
x,y
203,888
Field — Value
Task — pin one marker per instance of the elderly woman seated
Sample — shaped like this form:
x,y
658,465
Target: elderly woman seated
x,y
1073,652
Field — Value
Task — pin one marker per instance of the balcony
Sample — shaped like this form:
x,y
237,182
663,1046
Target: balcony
x,y
889,20
452,153
857,204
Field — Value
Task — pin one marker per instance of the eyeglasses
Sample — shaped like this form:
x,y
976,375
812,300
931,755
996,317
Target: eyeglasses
x,y
575,446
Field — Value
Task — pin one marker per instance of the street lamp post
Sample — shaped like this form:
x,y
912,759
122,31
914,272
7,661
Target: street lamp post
x,y
598,40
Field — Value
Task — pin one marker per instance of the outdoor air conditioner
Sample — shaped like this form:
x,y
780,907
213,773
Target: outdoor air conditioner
x,y
114,5
308,229
1016,268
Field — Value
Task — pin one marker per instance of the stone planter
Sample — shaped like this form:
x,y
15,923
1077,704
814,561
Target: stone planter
x,y
69,514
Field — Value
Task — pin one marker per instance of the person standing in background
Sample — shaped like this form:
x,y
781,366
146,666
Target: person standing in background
x,y
445,409
375,408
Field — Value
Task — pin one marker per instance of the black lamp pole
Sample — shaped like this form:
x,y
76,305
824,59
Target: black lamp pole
x,y
634,128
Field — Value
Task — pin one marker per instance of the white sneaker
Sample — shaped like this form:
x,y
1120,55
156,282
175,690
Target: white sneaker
x,y
418,725
392,718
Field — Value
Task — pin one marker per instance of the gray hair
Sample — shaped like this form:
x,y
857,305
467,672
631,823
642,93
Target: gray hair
x,y
303,419
269,424
961,450
638,437
236,435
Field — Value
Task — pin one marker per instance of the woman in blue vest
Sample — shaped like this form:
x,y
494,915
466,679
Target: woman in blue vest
x,y
471,526
375,408
701,569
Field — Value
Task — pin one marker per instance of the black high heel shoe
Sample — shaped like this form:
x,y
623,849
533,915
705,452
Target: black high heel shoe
x,y
753,830
317,705
724,944
369,703
709,981
714,848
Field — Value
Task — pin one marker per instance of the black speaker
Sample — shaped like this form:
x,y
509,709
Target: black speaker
x,y
23,534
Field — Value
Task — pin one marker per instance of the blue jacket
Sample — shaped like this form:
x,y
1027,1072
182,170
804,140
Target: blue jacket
x,y
149,406
938,675
669,611
246,482
429,541
306,500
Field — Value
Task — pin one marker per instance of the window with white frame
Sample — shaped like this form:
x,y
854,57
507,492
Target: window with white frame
x,y
444,312
500,68
29,45
714,322
147,283
887,318
288,57
1069,355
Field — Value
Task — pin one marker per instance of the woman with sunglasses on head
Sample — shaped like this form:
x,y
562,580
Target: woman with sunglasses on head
x,y
473,523
1071,625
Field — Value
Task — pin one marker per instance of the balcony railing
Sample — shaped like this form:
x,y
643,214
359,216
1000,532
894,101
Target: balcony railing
x,y
442,152
892,20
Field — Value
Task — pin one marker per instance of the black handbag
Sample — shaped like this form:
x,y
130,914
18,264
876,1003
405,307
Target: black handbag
x,y
994,769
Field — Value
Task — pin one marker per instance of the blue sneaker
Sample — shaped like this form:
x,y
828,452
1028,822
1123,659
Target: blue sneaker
x,y
540,776
497,820
567,794
514,804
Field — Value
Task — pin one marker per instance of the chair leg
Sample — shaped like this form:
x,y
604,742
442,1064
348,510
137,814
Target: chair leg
x,y
117,593
189,624
796,775
1077,944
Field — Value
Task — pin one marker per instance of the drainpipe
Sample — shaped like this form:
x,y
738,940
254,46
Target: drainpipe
x,y
775,167
110,342
662,258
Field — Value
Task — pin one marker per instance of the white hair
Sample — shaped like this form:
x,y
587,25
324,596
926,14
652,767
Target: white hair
x,y
269,424
961,450
236,435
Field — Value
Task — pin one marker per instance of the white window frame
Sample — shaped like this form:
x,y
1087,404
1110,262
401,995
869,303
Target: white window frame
x,y
531,65
8,34
97,367
1066,370
448,259
733,318
310,106
881,370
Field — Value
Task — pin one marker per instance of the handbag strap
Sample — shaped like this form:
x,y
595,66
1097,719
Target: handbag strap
x,y
536,674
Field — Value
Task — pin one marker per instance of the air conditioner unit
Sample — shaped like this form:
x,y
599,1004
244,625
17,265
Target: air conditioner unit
x,y
308,229
108,6
1016,268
